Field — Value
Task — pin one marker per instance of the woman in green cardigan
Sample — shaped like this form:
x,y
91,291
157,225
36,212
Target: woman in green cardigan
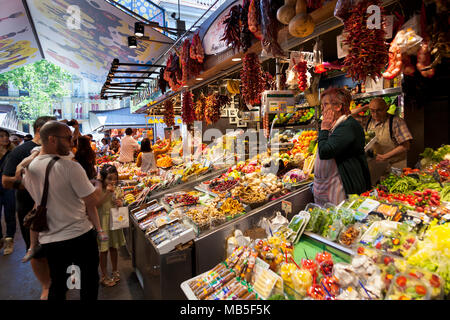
x,y
341,166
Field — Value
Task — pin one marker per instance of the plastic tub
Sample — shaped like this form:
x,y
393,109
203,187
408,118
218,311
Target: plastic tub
x,y
350,235
406,287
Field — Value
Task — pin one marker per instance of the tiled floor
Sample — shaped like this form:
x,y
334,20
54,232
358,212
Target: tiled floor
x,y
17,281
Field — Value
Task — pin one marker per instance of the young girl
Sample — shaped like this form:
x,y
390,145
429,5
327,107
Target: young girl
x,y
111,196
146,158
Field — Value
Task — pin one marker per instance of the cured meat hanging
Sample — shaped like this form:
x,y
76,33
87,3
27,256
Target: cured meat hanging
x,y
254,19
252,81
187,112
169,118
368,52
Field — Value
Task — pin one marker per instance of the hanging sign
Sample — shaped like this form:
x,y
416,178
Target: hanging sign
x,y
211,41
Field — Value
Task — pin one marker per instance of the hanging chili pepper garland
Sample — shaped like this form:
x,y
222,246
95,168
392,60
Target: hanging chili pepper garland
x,y
246,34
200,106
270,27
252,81
162,83
169,117
187,112
232,33
196,52
368,52
214,102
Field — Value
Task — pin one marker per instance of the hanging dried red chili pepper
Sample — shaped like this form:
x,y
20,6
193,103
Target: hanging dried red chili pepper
x,y
200,106
187,109
169,117
252,81
368,52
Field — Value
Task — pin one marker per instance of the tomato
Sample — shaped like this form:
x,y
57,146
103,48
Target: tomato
x,y
323,256
361,250
421,290
401,281
435,281
378,245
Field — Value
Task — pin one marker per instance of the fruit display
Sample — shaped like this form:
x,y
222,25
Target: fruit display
x,y
294,177
303,142
161,146
221,184
106,159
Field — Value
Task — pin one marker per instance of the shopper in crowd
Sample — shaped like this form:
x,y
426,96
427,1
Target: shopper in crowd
x,y
71,213
86,157
16,139
92,142
111,196
341,166
146,158
127,147
24,202
7,199
28,137
107,137
114,147
105,146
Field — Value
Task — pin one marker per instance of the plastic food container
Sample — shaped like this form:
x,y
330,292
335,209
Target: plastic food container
x,y
406,287
350,235
314,211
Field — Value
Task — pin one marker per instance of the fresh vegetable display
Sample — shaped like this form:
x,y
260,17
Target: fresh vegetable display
x,y
406,287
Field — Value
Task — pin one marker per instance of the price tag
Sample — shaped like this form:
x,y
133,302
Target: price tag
x,y
286,206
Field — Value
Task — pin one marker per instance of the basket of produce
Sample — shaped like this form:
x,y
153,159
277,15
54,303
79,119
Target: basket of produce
x,y
221,185
181,199
164,161
294,178
252,196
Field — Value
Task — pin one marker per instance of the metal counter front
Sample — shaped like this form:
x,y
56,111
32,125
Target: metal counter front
x,y
161,275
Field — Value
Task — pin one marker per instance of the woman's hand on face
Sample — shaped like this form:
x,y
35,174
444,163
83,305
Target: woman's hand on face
x,y
328,119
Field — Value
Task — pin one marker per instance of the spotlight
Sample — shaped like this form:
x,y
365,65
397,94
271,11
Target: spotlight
x,y
138,29
236,59
132,42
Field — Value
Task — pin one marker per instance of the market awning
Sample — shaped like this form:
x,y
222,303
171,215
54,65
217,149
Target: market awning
x,y
18,45
116,119
83,37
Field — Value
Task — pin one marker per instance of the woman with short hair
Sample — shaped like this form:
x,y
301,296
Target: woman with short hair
x,y
341,166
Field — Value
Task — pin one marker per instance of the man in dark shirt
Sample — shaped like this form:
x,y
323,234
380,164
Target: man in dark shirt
x,y
24,202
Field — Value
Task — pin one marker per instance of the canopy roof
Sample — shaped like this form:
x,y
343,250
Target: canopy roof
x,y
84,46
116,119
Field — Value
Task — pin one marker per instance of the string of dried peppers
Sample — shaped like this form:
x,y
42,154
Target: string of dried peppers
x,y
200,106
169,117
252,81
232,33
187,108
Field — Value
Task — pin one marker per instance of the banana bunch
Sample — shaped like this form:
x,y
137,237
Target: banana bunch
x,y
233,86
129,198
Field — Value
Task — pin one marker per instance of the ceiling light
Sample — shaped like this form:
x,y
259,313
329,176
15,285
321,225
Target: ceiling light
x,y
185,86
236,59
138,29
198,79
132,42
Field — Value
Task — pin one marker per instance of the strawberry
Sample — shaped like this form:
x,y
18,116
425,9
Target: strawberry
x,y
401,281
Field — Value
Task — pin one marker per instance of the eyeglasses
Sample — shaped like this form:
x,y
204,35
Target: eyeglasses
x,y
68,138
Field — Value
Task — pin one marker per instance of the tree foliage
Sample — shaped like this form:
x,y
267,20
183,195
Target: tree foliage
x,y
45,83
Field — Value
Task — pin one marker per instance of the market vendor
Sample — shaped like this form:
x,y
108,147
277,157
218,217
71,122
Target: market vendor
x,y
341,166
393,139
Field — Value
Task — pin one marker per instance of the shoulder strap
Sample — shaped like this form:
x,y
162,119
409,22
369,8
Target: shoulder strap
x,y
47,172
391,120
368,122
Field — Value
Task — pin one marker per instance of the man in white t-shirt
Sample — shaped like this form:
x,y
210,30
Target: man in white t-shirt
x,y
71,238
127,147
